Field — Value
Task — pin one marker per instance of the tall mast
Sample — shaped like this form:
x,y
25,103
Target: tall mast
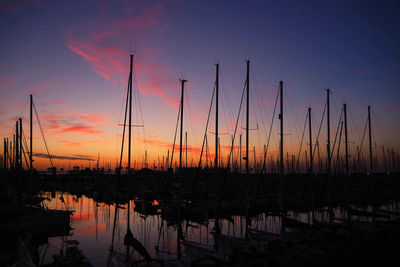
x,y
130,119
180,146
20,142
345,138
16,145
240,153
281,118
31,135
370,139
310,134
247,115
329,130
14,153
129,143
216,114
8,163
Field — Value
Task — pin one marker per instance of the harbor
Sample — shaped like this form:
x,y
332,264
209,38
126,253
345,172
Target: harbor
x,y
184,134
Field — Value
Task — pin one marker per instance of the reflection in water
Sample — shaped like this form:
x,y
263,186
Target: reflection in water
x,y
92,225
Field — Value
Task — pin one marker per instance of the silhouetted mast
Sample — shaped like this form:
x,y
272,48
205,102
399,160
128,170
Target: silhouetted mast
x,y
281,119
180,146
31,135
216,115
14,152
129,144
329,130
130,120
20,142
345,139
370,139
310,133
247,115
240,153
16,145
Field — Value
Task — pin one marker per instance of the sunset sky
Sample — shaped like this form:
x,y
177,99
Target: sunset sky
x,y
73,56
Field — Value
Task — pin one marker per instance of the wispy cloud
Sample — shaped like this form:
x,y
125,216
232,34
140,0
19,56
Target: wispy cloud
x,y
86,123
39,88
73,157
82,129
98,48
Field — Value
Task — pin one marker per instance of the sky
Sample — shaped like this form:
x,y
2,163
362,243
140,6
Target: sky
x,y
73,57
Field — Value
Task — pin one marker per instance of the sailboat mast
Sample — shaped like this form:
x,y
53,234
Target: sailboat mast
x,y
20,142
240,153
345,138
16,145
130,118
129,146
329,130
310,134
180,145
14,152
247,115
281,133
216,114
370,140
31,135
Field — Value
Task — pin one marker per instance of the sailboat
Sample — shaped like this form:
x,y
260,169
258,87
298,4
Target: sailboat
x,y
117,258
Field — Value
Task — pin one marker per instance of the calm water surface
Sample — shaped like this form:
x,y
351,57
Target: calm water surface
x,y
92,225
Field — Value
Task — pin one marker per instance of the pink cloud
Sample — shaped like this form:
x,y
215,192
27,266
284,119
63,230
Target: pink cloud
x,y
82,117
51,117
112,63
157,143
39,88
73,123
82,129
